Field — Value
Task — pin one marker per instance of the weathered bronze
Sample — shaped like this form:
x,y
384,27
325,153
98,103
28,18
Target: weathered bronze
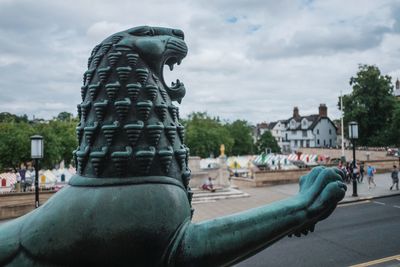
x,y
130,203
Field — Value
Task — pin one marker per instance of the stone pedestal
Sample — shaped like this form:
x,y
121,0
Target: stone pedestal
x,y
197,177
223,174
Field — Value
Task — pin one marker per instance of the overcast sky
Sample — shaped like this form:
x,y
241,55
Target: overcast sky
x,y
251,60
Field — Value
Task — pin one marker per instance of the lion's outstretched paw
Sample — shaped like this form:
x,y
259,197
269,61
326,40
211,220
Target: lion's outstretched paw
x,y
320,191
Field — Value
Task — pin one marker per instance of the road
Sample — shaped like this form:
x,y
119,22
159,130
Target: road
x,y
355,233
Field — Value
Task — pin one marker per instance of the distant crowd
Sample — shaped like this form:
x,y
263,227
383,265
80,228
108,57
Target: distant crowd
x,y
354,172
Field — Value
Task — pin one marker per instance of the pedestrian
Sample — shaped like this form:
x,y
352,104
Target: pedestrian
x,y
348,173
370,173
361,172
355,173
395,178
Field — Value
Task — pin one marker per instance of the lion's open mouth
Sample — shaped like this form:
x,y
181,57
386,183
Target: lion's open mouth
x,y
170,62
176,51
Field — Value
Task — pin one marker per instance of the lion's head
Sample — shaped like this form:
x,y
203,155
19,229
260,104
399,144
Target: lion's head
x,y
158,47
129,126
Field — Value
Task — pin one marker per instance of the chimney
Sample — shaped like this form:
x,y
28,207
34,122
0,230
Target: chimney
x,y
296,113
323,110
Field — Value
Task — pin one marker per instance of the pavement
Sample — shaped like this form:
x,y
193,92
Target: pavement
x,y
264,195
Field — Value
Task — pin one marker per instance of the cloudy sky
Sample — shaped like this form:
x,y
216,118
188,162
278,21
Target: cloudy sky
x,y
251,60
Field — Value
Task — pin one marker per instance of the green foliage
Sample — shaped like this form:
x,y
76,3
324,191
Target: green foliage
x,y
65,116
204,135
240,132
394,132
59,141
8,117
267,141
371,104
14,144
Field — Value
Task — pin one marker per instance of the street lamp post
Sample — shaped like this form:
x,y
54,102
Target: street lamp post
x,y
36,154
353,135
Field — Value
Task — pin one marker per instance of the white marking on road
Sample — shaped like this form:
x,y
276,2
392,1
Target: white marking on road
x,y
395,206
380,203
354,203
375,262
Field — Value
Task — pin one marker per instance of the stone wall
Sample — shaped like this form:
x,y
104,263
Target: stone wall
x,y
337,153
266,178
13,205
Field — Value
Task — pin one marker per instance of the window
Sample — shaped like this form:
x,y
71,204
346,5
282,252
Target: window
x,y
295,142
308,143
317,141
317,131
301,143
304,133
324,142
330,141
330,131
292,124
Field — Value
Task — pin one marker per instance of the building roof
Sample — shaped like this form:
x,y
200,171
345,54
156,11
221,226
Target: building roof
x,y
271,125
314,119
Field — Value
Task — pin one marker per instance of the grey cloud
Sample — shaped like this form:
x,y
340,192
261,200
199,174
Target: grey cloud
x,y
298,53
319,41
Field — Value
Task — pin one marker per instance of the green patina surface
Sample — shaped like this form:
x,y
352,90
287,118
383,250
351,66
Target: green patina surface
x,y
129,203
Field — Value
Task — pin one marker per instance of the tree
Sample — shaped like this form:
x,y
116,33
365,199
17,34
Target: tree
x,y
371,104
240,132
66,135
59,141
8,117
65,116
267,141
14,144
15,132
204,135
395,126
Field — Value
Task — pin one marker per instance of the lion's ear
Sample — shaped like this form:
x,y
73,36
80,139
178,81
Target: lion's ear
x,y
141,31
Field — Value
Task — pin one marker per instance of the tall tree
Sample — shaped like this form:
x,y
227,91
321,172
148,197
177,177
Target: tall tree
x,y
371,104
14,144
204,135
15,132
8,117
66,138
65,116
267,141
394,132
240,132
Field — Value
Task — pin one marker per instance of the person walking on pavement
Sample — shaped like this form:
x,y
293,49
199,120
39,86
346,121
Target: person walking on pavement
x,y
348,173
356,174
361,172
395,178
370,173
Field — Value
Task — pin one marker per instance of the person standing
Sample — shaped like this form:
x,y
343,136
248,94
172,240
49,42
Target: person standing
x,y
356,173
370,173
395,178
361,172
348,172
